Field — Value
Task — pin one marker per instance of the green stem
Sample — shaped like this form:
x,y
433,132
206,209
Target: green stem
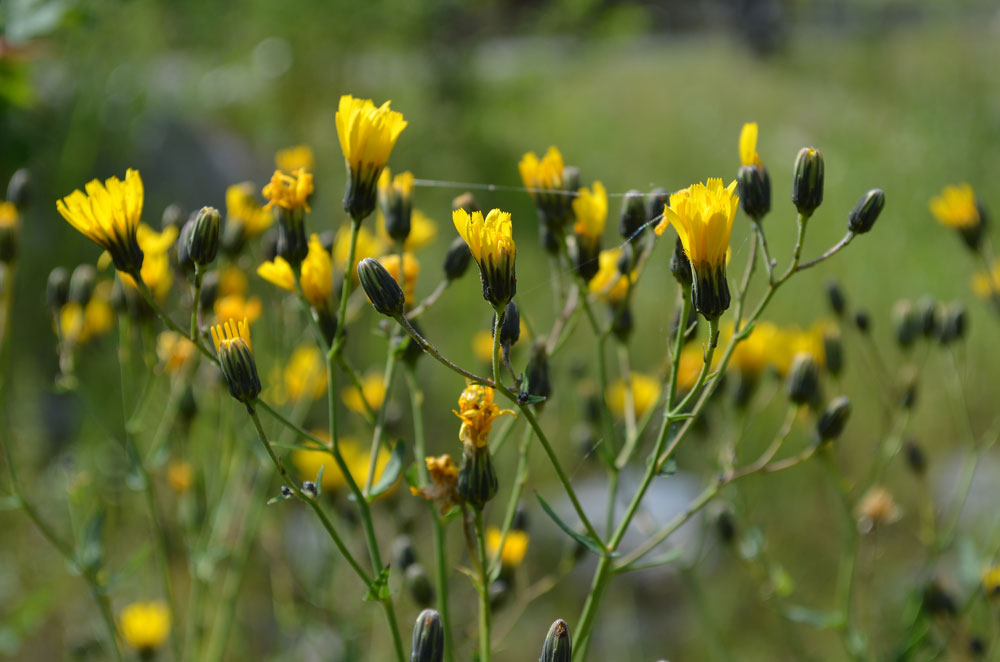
x,y
848,561
520,478
390,373
501,315
196,302
484,590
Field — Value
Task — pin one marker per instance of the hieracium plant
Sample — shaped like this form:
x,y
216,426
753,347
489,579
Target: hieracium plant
x,y
401,545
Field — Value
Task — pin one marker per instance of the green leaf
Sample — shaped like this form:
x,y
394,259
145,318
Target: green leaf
x,y
530,399
392,470
379,589
824,620
669,467
663,559
91,549
319,479
587,542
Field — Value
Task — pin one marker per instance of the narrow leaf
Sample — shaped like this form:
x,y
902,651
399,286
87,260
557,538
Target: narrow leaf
x,y
587,542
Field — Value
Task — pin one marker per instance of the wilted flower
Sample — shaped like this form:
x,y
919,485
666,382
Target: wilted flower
x,y
877,507
477,411
441,490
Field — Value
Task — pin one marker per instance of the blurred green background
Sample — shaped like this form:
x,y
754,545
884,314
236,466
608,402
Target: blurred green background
x,y
197,95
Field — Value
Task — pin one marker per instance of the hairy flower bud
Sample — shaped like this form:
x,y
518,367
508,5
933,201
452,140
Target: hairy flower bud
x,y
419,585
807,181
755,190
633,216
656,200
510,330
558,646
833,352
835,296
232,344
203,238
832,421
81,284
907,323
680,266
477,479
428,638
19,188
866,212
382,289
537,371
457,259
802,384
57,289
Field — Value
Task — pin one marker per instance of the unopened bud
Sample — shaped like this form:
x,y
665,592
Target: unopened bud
x,y
81,284
952,323
907,323
807,181
833,352
19,188
477,479
209,290
418,584
234,238
755,190
537,371
908,383
428,638
656,200
57,289
832,421
510,330
622,322
203,238
725,526
633,217
402,552
292,242
866,212
680,266
382,289
836,297
862,321
915,458
466,201
927,313
520,520
558,647
802,384
456,260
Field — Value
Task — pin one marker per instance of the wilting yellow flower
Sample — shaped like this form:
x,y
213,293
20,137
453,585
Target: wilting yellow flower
x,y
477,411
748,145
373,389
180,476
144,625
368,246
491,243
156,271
515,546
305,374
367,135
243,208
991,582
609,284
291,159
356,457
237,307
411,269
986,284
232,280
422,231
174,351
442,489
877,507
316,274
956,207
108,214
289,191
645,394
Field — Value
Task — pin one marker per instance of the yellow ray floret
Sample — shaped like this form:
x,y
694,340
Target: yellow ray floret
x,y
223,335
291,159
289,191
367,133
108,214
145,625
545,173
491,240
591,209
702,215
956,207
748,145
477,411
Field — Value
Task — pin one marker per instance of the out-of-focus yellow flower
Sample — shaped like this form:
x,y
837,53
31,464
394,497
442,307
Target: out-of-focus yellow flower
x,y
9,217
515,546
877,508
645,391
243,208
956,207
442,490
316,274
293,158
411,270
367,135
477,411
491,243
991,582
545,180
689,366
155,271
180,476
788,342
79,324
305,374
753,354
482,346
289,191
174,351
609,284
748,145
145,625
356,457
232,280
422,231
237,307
986,284
591,209
373,389
10,230
108,214
368,246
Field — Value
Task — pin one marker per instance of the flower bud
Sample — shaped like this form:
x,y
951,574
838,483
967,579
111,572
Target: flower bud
x,y
537,371
622,322
725,525
866,212
571,180
755,190
57,289
807,181
209,290
548,239
907,387
382,289
520,519
456,260
558,647
203,238
915,458
802,384
836,297
428,638
477,479
81,284
403,555
466,201
656,200
907,323
292,242
395,198
419,585
232,344
927,313
832,421
234,238
632,221
626,260
510,330
680,266
863,321
833,351
19,188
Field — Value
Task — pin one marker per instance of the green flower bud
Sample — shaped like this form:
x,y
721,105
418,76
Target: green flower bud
x,y
510,330
232,344
863,321
906,322
234,238
833,350
19,188
457,259
951,323
403,555
203,238
832,421
802,384
656,200
57,289
586,258
292,242
477,478
419,586
915,458
622,322
866,212
927,312
428,638
807,181
209,290
548,238
81,284
537,371
558,646
680,266
632,221
382,289
836,298
755,190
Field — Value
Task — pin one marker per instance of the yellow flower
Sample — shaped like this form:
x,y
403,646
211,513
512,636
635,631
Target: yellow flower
x,y
156,271
316,274
991,581
401,184
291,159
108,214
243,208
545,180
491,243
174,351
180,475
514,546
305,374
278,272
689,367
477,411
788,342
230,333
986,284
748,145
367,135
609,284
373,389
591,208
442,489
753,354
235,306
8,215
356,457
289,191
145,625
482,346
956,207
79,324
368,246
411,269
10,225
232,280
645,392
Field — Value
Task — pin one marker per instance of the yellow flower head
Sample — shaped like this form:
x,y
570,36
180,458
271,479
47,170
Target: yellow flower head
x,y
987,283
316,274
145,625
400,185
230,333
108,214
289,191
368,246
645,391
477,411
702,215
235,306
79,324
545,180
748,145
356,457
8,215
956,207
233,280
372,389
591,209
243,208
156,271
305,374
752,355
788,342
442,490
174,351
411,269
291,159
515,546
180,476
991,582
491,243
278,272
10,225
367,135
609,284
